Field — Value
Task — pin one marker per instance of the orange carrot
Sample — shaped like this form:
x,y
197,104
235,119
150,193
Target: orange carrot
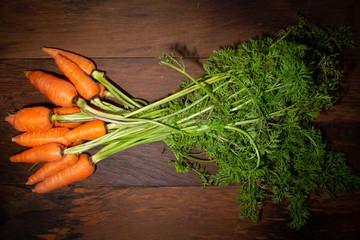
x,y
31,119
49,152
84,63
77,142
34,139
51,168
101,90
65,111
82,169
59,91
87,131
86,87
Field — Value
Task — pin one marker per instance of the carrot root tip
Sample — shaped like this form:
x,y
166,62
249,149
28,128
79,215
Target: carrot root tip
x,y
10,119
27,73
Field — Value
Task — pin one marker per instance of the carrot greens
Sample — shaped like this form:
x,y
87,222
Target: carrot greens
x,y
249,115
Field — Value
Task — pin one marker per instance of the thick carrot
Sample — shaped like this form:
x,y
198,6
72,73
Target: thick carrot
x,y
51,168
86,87
84,63
59,91
87,131
34,139
31,119
82,169
65,111
49,152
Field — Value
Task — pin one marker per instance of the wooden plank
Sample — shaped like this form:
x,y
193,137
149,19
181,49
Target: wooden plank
x,y
162,213
136,194
147,28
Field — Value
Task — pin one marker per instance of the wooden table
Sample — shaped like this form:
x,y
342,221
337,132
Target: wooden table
x,y
135,194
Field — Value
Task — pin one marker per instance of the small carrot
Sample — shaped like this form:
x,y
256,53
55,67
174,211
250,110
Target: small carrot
x,y
65,111
59,91
87,131
51,168
82,169
102,90
31,119
34,139
86,87
49,152
84,63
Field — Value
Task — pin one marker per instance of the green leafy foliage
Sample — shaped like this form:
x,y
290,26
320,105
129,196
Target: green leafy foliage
x,y
254,123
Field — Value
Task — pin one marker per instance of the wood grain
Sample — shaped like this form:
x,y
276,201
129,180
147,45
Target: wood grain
x,y
135,194
165,213
146,28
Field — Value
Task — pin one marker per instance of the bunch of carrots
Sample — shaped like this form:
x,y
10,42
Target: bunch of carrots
x,y
51,132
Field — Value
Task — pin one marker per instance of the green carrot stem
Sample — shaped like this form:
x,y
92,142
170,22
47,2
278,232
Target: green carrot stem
x,y
120,145
116,92
211,80
106,106
81,116
203,87
114,135
251,140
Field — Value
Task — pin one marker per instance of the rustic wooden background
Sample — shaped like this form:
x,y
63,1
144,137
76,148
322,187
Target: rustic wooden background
x,y
135,194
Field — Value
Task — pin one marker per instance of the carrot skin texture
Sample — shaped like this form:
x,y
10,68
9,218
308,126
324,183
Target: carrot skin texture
x,y
31,119
51,168
82,169
87,131
86,87
65,111
34,139
50,152
59,91
101,90
84,63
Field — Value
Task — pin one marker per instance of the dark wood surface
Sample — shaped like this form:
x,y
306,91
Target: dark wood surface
x,y
135,194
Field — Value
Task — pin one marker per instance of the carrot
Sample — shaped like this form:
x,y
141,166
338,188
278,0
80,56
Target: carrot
x,y
102,90
33,139
49,152
51,168
77,142
82,169
84,63
65,111
87,131
59,91
86,87
31,119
